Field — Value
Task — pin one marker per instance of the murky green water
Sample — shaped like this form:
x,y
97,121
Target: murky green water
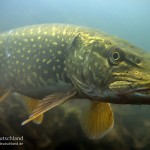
x,y
61,129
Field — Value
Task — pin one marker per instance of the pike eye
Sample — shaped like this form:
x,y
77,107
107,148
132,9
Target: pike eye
x,y
115,57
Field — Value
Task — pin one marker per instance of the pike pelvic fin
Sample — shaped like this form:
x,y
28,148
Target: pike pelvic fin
x,y
31,105
98,120
48,103
5,95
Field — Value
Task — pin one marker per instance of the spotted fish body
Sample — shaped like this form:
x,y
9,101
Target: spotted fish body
x,y
33,59
43,59
56,62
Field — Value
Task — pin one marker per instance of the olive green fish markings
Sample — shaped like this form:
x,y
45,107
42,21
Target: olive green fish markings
x,y
52,63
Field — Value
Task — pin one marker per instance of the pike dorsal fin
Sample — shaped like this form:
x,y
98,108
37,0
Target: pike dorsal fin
x,y
98,120
48,103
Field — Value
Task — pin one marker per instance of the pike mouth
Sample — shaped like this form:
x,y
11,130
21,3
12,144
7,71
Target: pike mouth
x,y
125,88
143,91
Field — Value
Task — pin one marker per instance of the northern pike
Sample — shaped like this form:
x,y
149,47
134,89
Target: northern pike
x,y
53,63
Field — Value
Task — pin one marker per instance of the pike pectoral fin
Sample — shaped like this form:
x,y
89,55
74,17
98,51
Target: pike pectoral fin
x,y
5,95
48,103
98,120
31,105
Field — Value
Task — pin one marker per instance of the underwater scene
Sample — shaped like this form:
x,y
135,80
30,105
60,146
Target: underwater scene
x,y
75,74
